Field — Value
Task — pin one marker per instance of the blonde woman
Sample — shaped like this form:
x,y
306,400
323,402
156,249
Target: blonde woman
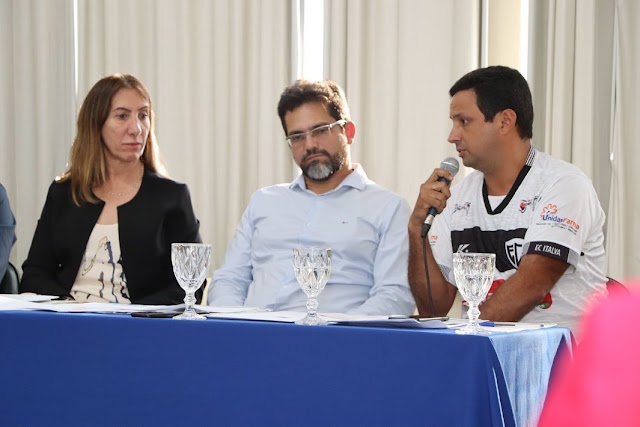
x,y
107,225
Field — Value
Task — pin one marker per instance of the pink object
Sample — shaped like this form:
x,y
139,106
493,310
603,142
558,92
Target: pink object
x,y
601,385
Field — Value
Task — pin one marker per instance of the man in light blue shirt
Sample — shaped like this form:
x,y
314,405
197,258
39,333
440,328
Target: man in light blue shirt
x,y
333,204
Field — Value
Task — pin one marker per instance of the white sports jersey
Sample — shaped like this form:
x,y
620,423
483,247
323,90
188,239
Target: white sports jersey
x,y
552,210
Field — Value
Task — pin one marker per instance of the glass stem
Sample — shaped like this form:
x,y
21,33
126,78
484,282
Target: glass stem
x,y
189,301
473,314
312,306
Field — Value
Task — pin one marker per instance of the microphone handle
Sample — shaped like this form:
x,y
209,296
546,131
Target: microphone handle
x,y
431,214
427,222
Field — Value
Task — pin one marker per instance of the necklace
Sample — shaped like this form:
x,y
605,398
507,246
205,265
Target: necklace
x,y
131,188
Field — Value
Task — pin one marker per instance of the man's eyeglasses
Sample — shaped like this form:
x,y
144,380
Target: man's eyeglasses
x,y
320,132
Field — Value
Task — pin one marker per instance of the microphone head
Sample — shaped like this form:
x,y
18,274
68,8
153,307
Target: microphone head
x,y
451,165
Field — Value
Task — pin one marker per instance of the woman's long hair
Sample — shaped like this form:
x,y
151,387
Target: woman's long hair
x,y
87,166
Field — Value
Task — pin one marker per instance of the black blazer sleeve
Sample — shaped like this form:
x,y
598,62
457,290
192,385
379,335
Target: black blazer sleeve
x,y
58,243
160,215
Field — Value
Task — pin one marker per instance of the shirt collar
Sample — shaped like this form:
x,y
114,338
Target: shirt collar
x,y
531,156
357,179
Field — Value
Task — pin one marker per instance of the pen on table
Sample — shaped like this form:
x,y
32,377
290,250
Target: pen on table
x,y
498,324
491,324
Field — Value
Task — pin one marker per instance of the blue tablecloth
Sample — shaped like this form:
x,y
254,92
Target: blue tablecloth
x,y
94,369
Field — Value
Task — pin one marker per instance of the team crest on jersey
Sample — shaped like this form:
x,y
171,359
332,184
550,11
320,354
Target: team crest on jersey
x,y
524,203
513,250
462,207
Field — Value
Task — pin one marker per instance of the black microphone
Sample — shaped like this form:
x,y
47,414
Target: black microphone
x,y
451,165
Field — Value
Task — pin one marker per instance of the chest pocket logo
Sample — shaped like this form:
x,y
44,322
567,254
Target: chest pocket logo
x,y
513,251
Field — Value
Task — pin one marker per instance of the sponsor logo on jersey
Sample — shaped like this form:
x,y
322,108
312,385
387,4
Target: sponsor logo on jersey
x,y
525,203
513,250
549,216
550,249
463,247
462,207
546,302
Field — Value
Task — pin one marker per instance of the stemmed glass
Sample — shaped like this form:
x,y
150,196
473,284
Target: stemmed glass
x,y
312,266
474,275
190,264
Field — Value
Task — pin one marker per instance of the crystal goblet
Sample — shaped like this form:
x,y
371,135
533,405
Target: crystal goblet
x,y
190,264
312,267
474,275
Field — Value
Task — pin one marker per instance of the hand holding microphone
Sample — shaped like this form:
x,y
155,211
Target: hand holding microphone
x,y
452,166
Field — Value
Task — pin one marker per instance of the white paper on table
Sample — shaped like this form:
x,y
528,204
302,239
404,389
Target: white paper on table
x,y
31,297
85,307
456,323
291,316
7,303
384,321
499,326
332,318
30,301
516,326
346,317
108,307
230,309
263,315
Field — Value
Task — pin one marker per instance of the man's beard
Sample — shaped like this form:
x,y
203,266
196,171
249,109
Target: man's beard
x,y
321,169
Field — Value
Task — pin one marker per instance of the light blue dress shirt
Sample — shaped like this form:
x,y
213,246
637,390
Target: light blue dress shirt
x,y
364,224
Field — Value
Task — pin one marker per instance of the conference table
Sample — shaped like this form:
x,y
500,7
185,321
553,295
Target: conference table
x,y
68,369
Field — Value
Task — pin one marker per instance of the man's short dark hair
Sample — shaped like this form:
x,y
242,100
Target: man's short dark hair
x,y
327,93
499,88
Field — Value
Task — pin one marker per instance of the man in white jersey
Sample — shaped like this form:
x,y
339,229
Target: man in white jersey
x,y
540,216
